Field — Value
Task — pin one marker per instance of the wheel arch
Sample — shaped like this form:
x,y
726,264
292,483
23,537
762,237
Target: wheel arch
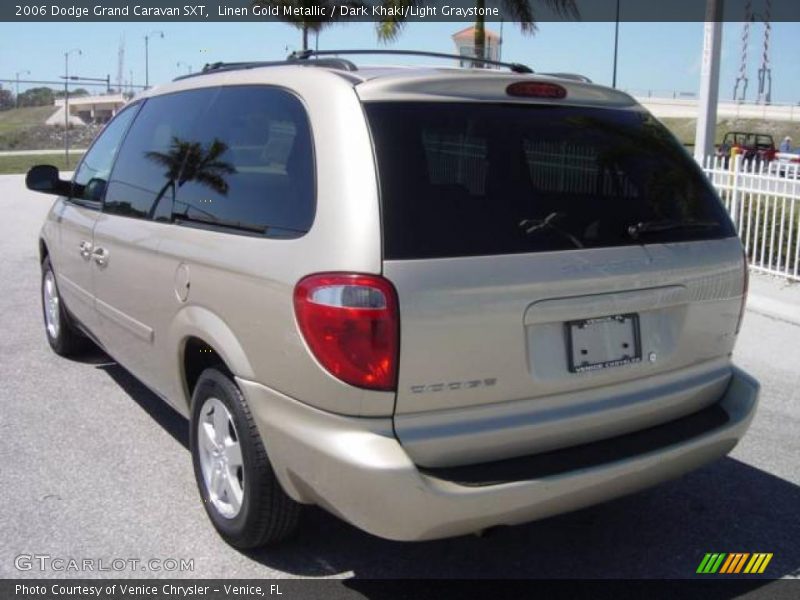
x,y
202,339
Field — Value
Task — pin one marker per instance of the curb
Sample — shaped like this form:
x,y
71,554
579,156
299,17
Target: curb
x,y
775,309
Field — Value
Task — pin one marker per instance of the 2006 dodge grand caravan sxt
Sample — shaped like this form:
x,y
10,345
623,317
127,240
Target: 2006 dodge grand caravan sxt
x,y
429,300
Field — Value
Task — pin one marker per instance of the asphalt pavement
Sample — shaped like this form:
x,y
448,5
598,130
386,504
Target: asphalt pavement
x,y
94,466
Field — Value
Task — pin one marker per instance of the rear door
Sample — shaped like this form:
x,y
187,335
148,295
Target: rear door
x,y
134,285
548,260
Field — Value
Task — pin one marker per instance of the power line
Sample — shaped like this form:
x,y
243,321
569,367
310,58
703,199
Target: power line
x,y
61,83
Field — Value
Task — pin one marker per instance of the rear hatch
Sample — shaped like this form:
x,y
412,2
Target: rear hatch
x,y
564,273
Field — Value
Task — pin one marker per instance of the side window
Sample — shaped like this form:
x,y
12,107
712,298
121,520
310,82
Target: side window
x,y
142,184
250,168
91,178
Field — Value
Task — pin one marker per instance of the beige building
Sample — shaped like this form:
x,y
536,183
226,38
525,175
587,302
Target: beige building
x,y
84,110
465,44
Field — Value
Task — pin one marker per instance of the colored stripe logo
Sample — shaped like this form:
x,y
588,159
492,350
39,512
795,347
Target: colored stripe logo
x,y
734,563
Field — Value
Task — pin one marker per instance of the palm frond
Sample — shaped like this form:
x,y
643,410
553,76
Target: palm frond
x,y
390,27
192,162
523,12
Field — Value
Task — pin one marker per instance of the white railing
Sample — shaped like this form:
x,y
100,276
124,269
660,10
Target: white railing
x,y
763,200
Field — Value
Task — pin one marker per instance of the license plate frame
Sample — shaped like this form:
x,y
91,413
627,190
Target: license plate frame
x,y
590,342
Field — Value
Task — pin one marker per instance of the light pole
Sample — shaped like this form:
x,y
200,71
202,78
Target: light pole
x,y
66,102
709,81
147,55
616,48
16,96
183,64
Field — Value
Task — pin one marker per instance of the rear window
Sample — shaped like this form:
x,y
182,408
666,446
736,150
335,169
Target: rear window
x,y
468,179
764,141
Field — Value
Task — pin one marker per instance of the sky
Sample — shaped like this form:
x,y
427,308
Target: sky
x,y
661,57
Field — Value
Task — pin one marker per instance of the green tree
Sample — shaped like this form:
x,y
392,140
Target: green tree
x,y
6,99
301,11
521,12
76,93
38,96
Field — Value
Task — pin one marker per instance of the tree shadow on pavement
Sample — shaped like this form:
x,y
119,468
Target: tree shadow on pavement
x,y
663,532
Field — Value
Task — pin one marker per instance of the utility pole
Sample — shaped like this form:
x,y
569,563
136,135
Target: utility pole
x,y
147,56
765,72
500,41
616,48
66,102
709,82
16,90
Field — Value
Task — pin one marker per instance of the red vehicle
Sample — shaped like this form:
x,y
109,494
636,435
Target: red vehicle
x,y
751,146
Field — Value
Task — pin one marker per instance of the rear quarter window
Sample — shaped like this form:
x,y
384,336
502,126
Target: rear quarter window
x,y
142,184
249,166
238,159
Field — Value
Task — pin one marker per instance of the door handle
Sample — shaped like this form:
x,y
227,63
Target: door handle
x,y
100,256
85,249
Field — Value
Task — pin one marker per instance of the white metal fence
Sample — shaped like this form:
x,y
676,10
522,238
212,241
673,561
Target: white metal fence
x,y
763,200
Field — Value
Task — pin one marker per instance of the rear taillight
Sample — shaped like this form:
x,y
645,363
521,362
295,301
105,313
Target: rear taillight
x,y
745,288
350,323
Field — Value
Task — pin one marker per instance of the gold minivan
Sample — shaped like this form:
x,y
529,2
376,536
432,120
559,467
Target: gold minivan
x,y
428,300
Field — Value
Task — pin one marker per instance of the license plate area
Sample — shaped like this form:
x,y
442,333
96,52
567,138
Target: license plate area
x,y
603,342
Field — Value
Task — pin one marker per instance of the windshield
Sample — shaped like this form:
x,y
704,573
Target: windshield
x,y
466,179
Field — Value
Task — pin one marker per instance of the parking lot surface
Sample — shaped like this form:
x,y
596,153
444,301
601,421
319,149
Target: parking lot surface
x,y
93,465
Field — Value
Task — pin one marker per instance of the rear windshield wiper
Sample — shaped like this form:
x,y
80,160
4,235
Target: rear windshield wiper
x,y
548,223
638,229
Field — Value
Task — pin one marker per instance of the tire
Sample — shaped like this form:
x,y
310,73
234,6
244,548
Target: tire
x,y
62,334
244,500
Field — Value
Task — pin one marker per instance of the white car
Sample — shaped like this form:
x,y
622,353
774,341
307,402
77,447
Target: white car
x,y
787,164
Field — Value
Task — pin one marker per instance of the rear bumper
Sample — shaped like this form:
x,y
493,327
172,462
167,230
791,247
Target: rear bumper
x,y
356,468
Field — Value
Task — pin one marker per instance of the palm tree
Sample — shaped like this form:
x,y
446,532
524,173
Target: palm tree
x,y
186,161
191,161
305,7
519,11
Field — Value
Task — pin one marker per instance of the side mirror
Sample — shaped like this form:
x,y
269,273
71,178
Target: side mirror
x,y
45,179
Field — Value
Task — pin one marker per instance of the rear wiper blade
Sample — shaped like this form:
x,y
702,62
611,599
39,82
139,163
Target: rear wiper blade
x,y
548,223
637,229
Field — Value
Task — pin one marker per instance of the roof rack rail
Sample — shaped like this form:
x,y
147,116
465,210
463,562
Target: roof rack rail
x,y
570,76
220,67
304,55
311,58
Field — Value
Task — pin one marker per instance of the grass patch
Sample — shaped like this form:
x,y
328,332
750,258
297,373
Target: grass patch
x,y
21,164
23,118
